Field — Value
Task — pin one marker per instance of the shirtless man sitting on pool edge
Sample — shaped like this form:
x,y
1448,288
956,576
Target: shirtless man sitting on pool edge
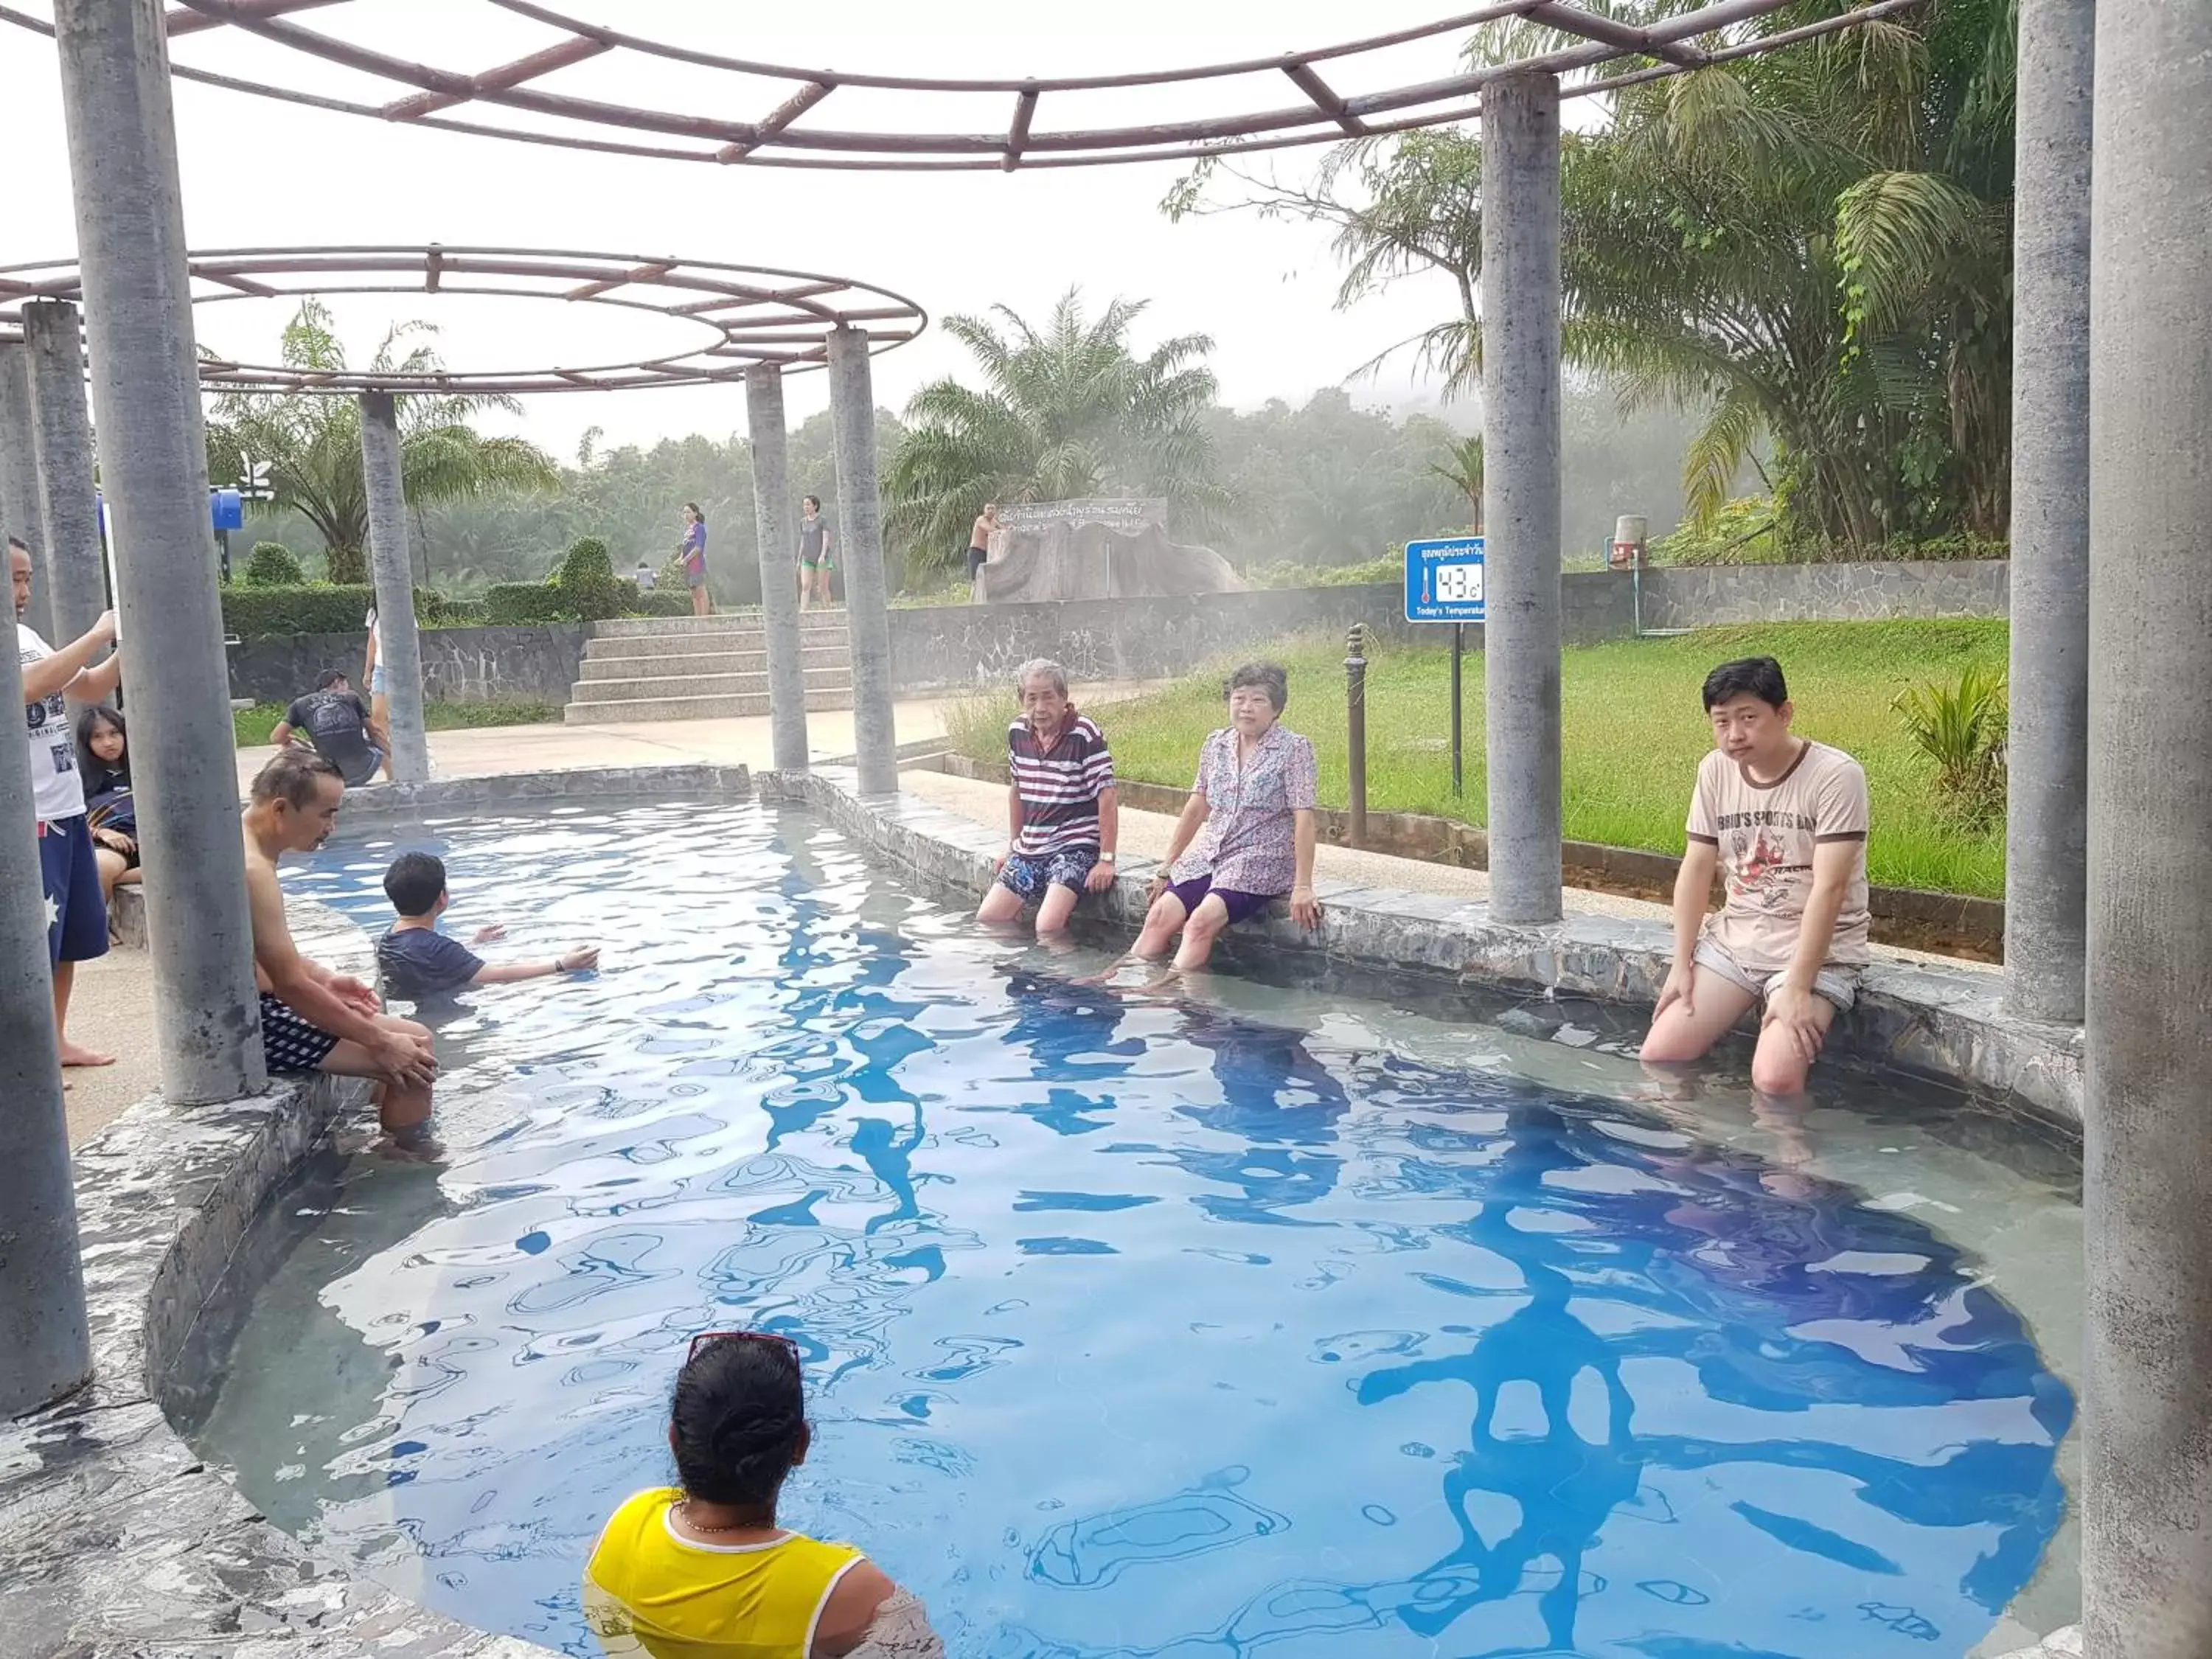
x,y
313,1019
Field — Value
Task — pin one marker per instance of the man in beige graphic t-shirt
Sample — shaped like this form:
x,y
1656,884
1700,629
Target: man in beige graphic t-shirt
x,y
1785,821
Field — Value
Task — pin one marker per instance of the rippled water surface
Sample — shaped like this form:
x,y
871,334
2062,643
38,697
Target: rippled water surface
x,y
1263,1320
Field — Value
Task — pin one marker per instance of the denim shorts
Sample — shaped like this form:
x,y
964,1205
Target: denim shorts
x,y
1030,874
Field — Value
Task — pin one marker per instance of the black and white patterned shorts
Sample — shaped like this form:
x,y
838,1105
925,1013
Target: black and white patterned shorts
x,y
288,1044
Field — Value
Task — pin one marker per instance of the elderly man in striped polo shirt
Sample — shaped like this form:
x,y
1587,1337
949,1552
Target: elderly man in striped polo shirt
x,y
1062,813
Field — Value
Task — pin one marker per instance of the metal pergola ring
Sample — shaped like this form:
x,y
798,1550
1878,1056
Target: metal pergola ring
x,y
1607,54
747,314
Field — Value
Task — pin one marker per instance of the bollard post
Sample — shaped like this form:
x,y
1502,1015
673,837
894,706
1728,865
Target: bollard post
x,y
1355,675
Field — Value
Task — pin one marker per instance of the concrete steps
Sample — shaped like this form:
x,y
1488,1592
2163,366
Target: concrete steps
x,y
643,669
646,710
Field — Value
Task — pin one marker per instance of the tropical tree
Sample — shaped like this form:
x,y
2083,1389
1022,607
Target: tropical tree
x,y
311,442
1065,412
1810,248
1462,470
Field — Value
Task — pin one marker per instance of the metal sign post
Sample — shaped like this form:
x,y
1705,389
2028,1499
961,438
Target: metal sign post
x,y
1444,583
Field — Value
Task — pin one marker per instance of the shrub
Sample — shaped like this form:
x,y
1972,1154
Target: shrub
x,y
586,580
260,613
1390,568
661,602
1962,729
525,604
272,565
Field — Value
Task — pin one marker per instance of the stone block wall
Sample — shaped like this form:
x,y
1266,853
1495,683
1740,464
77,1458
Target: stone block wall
x,y
459,665
1706,596
945,647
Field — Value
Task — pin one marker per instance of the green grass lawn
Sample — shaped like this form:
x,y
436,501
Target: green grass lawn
x,y
1635,731
254,725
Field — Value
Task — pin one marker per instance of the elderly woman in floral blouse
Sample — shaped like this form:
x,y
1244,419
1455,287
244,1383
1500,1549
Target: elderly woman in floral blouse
x,y
1252,814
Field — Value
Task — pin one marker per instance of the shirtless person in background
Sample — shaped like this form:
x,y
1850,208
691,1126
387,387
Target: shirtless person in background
x,y
313,1019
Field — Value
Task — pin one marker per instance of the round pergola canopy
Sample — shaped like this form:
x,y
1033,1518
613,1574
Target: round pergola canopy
x,y
765,114
744,315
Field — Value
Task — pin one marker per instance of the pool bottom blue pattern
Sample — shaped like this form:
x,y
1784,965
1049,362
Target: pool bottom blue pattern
x,y
1133,1328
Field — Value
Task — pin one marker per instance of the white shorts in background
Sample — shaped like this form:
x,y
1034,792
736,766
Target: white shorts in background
x,y
1838,981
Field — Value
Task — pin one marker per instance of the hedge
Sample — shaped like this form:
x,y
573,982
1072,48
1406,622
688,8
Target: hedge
x,y
540,605
261,613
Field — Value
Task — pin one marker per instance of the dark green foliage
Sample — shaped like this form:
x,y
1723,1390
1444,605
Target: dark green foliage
x,y
261,613
525,604
586,581
272,565
345,567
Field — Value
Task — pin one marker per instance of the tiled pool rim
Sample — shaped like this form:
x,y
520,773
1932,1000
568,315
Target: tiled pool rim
x,y
116,1540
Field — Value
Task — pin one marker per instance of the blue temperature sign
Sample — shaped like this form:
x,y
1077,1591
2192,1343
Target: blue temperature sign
x,y
1444,580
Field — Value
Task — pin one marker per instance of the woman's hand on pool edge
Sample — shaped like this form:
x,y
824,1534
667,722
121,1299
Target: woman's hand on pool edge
x,y
1305,909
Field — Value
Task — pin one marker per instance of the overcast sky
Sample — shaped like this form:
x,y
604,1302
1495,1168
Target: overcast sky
x,y
260,172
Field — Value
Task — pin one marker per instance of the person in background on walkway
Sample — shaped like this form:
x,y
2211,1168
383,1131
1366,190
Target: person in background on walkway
x,y
979,540
417,960
313,1019
379,681
77,908
814,553
693,551
1063,815
702,1572
1251,812
103,761
1785,819
648,578
336,724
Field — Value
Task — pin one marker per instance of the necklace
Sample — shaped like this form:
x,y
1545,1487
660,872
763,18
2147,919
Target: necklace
x,y
696,1525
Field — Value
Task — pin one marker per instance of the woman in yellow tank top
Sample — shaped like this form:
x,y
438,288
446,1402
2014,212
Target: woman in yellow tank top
x,y
702,1572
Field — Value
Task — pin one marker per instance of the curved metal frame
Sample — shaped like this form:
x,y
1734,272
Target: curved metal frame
x,y
1668,47
749,314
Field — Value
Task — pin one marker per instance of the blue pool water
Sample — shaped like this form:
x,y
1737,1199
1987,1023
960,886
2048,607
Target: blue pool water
x,y
1288,1324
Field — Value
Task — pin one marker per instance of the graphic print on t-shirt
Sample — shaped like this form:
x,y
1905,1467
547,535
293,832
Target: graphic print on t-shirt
x,y
56,792
1766,834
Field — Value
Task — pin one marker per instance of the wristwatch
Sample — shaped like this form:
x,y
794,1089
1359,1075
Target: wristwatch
x,y
1105,858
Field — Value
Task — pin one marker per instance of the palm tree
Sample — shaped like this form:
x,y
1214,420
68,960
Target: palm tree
x,y
1811,248
312,442
1067,412
1462,471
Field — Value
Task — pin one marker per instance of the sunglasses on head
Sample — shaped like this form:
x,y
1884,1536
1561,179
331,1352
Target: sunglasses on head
x,y
704,1338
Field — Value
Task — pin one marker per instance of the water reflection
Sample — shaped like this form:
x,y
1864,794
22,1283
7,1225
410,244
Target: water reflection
x,y
1135,1327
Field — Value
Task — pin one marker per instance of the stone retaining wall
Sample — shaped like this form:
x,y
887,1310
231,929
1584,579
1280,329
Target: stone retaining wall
x,y
938,648
459,665
1705,596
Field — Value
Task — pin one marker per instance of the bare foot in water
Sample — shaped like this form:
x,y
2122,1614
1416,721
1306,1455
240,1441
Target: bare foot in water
x,y
73,1055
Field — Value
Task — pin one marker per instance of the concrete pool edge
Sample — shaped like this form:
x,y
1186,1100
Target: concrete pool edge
x,y
1943,1022
115,1538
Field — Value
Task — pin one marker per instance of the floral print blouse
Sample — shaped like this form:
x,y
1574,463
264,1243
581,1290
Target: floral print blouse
x,y
1248,843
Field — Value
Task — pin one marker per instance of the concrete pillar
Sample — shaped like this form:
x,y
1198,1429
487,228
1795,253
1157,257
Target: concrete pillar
x,y
44,1350
787,664
859,544
1521,491
23,511
399,646
153,458
76,563
2047,856
2147,1542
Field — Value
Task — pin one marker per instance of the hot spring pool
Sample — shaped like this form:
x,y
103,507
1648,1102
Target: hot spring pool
x,y
1270,1319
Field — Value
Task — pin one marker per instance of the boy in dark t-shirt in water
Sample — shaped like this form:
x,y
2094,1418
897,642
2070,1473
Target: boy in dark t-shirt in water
x,y
417,960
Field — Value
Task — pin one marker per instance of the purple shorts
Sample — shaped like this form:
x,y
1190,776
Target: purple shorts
x,y
1239,905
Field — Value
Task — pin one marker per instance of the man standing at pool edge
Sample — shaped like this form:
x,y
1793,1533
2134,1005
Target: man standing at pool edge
x,y
1786,818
